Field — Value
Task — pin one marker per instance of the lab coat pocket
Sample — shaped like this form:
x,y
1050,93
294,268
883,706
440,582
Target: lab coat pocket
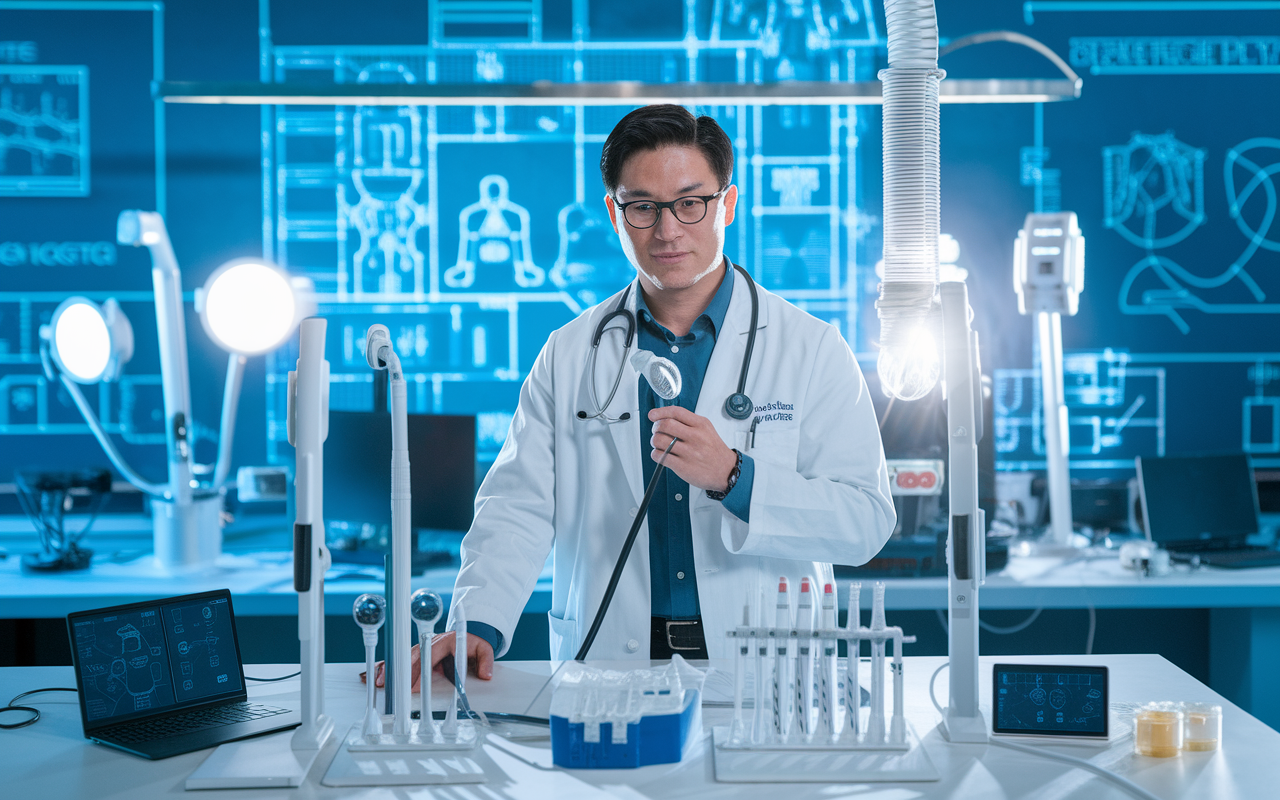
x,y
774,445
564,637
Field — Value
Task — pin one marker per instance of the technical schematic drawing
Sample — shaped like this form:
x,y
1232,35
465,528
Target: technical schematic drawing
x,y
123,664
1115,410
494,232
44,131
1154,189
1260,414
473,232
386,172
1157,177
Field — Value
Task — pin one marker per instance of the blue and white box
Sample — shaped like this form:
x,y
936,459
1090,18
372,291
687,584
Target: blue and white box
x,y
608,719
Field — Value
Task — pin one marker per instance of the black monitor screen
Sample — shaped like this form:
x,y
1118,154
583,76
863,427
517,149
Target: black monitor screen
x,y
1043,700
1197,498
442,468
141,659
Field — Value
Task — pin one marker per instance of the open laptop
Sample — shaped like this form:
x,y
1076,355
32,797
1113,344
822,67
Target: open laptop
x,y
162,678
1203,507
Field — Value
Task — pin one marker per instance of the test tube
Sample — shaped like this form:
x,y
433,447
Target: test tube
x,y
826,684
804,660
875,725
759,731
852,691
781,632
739,673
898,722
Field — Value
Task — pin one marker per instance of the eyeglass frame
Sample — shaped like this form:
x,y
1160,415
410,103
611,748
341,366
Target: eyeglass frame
x,y
705,198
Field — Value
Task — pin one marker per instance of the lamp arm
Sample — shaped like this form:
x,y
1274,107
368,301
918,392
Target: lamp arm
x,y
227,428
108,447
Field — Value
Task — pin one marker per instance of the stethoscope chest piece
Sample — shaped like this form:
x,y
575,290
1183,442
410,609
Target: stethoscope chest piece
x,y
738,406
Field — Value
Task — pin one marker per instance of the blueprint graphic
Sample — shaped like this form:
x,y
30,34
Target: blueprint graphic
x,y
1115,410
123,666
1155,199
44,130
473,232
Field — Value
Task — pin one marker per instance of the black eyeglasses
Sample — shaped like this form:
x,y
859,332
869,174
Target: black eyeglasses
x,y
690,210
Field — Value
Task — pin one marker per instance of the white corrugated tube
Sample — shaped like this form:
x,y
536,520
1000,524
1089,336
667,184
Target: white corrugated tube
x,y
908,364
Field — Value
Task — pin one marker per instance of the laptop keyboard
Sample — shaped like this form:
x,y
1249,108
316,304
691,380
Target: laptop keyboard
x,y
147,730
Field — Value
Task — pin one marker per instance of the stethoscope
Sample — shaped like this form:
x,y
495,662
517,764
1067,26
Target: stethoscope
x,y
736,405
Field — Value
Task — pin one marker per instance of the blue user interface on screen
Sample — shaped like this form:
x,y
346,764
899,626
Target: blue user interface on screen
x,y
148,659
1054,700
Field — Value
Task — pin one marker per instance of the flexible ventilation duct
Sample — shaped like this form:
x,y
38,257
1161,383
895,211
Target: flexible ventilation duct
x,y
908,364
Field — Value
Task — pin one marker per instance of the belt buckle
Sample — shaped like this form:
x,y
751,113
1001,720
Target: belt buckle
x,y
669,623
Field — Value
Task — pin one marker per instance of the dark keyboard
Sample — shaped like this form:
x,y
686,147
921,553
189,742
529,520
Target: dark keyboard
x,y
198,720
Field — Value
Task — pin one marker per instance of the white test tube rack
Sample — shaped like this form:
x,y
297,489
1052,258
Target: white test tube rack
x,y
849,734
454,733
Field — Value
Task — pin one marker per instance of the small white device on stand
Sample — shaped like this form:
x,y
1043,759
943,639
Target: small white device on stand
x,y
370,611
1048,274
425,607
967,534
276,760
367,743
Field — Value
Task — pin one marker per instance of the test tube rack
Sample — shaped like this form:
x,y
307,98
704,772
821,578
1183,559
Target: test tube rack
x,y
803,739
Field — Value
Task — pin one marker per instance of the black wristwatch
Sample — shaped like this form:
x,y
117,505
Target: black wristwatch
x,y
733,479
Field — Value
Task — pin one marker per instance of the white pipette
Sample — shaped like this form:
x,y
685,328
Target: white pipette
x,y
739,674
875,726
852,691
826,682
781,697
759,731
804,660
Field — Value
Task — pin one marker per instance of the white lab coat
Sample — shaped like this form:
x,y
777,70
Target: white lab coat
x,y
821,491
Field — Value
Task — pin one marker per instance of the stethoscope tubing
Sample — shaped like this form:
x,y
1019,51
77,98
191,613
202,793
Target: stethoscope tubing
x,y
739,410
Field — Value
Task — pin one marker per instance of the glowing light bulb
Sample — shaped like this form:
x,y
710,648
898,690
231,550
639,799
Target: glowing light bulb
x,y
909,368
249,307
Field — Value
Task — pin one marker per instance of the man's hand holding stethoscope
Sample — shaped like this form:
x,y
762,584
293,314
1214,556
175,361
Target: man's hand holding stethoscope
x,y
700,457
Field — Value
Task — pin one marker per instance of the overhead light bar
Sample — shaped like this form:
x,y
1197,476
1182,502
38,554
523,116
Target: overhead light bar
x,y
616,93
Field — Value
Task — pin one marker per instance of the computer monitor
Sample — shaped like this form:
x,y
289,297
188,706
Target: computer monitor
x,y
1188,499
442,469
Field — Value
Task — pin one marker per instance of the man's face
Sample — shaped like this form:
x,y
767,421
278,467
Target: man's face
x,y
672,255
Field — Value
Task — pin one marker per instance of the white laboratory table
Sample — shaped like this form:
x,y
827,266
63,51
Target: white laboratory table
x,y
51,759
1244,604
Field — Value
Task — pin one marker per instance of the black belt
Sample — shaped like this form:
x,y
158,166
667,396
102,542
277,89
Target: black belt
x,y
670,636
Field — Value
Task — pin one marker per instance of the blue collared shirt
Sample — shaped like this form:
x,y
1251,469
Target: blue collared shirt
x,y
672,574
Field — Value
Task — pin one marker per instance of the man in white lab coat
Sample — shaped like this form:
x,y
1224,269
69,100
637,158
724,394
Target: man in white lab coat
x,y
795,484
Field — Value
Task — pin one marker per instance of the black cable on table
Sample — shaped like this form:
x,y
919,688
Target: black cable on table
x,y
32,710
273,680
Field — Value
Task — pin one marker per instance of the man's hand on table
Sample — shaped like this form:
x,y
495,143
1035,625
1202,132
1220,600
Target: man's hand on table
x,y
479,658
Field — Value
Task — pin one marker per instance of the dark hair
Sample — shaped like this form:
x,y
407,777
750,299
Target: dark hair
x,y
651,127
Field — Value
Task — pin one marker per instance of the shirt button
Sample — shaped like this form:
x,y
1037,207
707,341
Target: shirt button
x,y
679,496
633,511
632,645
675,349
680,576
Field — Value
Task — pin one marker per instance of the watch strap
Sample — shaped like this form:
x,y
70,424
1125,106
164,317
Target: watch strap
x,y
733,479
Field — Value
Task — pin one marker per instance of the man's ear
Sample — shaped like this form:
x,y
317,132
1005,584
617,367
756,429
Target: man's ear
x,y
613,212
730,200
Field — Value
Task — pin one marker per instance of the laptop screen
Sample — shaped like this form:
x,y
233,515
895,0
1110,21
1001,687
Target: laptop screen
x,y
1188,499
144,658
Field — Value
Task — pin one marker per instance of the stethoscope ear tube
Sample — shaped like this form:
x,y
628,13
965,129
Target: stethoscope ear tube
x,y
622,557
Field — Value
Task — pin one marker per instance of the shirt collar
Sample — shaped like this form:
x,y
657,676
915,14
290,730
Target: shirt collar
x,y
715,311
